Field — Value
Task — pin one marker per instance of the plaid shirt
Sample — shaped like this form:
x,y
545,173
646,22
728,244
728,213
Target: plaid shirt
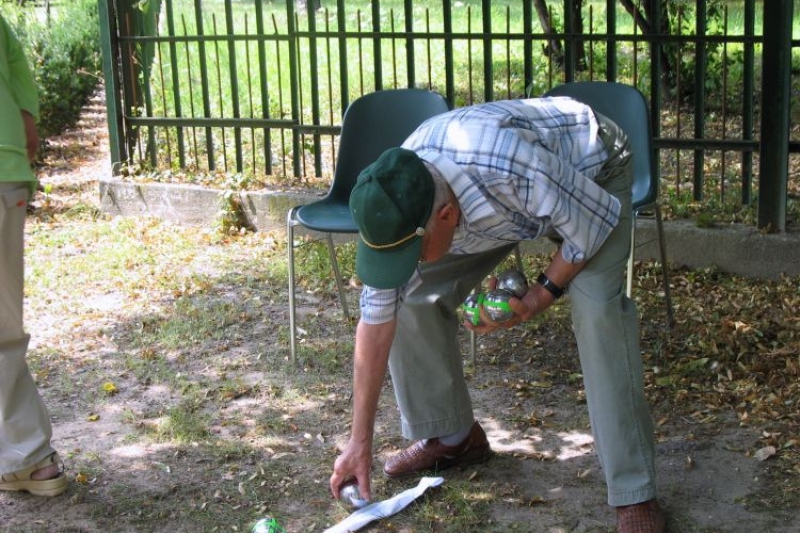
x,y
521,170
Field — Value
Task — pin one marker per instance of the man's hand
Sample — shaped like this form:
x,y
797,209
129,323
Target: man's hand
x,y
354,462
31,136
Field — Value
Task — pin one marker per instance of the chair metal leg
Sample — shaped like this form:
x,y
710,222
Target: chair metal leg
x,y
662,245
629,284
473,349
662,248
339,285
290,224
518,257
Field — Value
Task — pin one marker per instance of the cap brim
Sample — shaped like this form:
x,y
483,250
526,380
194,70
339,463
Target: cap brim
x,y
387,269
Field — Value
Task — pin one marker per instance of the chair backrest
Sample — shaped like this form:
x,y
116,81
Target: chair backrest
x,y
374,123
626,106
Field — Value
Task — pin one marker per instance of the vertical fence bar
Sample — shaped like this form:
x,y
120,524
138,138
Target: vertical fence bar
x,y
591,43
569,41
635,43
331,93
774,166
748,91
655,73
279,62
393,46
250,83
176,82
408,14
724,111
678,110
469,56
508,52
301,98
291,31
447,20
527,45
429,58
151,146
264,85
220,101
611,43
360,42
201,50
164,104
190,79
313,68
488,66
234,80
344,79
699,94
376,43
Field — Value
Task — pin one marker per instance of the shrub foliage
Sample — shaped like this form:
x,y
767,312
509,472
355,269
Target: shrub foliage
x,y
63,48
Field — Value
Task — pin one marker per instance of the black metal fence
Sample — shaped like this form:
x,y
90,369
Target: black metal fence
x,y
256,89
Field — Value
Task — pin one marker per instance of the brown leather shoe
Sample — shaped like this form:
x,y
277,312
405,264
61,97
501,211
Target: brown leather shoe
x,y
645,517
433,455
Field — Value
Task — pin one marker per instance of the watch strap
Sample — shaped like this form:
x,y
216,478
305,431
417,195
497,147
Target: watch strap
x,y
551,287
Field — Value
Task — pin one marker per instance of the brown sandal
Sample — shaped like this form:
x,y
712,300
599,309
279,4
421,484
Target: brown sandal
x,y
22,480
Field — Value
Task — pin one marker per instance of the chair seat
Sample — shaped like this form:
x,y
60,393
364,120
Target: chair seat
x,y
327,216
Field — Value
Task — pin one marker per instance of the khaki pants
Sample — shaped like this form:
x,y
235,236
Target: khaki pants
x,y
25,429
426,362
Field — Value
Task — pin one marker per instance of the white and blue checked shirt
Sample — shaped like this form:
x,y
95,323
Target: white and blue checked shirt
x,y
521,169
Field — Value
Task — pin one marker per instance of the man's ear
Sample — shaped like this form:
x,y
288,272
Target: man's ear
x,y
448,213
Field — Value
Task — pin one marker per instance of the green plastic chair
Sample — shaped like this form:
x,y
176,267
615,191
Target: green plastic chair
x,y
627,106
371,124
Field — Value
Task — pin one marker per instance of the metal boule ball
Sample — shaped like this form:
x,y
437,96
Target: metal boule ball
x,y
514,282
496,304
351,496
472,308
267,525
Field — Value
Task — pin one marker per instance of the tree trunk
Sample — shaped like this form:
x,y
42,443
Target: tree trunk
x,y
308,5
553,48
668,67
577,29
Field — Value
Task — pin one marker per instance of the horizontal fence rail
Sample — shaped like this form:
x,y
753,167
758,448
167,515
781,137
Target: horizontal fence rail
x,y
257,89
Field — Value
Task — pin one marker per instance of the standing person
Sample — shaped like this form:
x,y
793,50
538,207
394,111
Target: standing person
x,y
435,218
27,461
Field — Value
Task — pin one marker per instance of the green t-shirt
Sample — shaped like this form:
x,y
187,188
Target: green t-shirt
x,y
17,92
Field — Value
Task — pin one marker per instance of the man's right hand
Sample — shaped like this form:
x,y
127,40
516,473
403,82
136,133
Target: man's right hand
x,y
355,462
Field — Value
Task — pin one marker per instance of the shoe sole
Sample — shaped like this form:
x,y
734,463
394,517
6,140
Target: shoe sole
x,y
44,487
472,457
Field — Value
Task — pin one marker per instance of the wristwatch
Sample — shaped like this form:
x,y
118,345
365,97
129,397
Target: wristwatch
x,y
551,287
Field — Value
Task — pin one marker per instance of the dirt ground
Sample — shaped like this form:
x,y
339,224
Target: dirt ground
x,y
544,478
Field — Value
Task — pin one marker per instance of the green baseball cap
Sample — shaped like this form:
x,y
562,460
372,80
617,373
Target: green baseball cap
x,y
391,203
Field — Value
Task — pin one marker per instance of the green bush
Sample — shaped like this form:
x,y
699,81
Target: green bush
x,y
64,52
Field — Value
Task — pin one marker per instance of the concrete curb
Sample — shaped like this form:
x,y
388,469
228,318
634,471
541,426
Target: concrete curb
x,y
737,249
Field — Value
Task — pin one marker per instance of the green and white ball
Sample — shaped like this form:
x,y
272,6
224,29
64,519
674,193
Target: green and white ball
x,y
496,304
472,308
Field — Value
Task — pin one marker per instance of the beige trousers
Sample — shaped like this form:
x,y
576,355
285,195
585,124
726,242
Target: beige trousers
x,y
25,429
